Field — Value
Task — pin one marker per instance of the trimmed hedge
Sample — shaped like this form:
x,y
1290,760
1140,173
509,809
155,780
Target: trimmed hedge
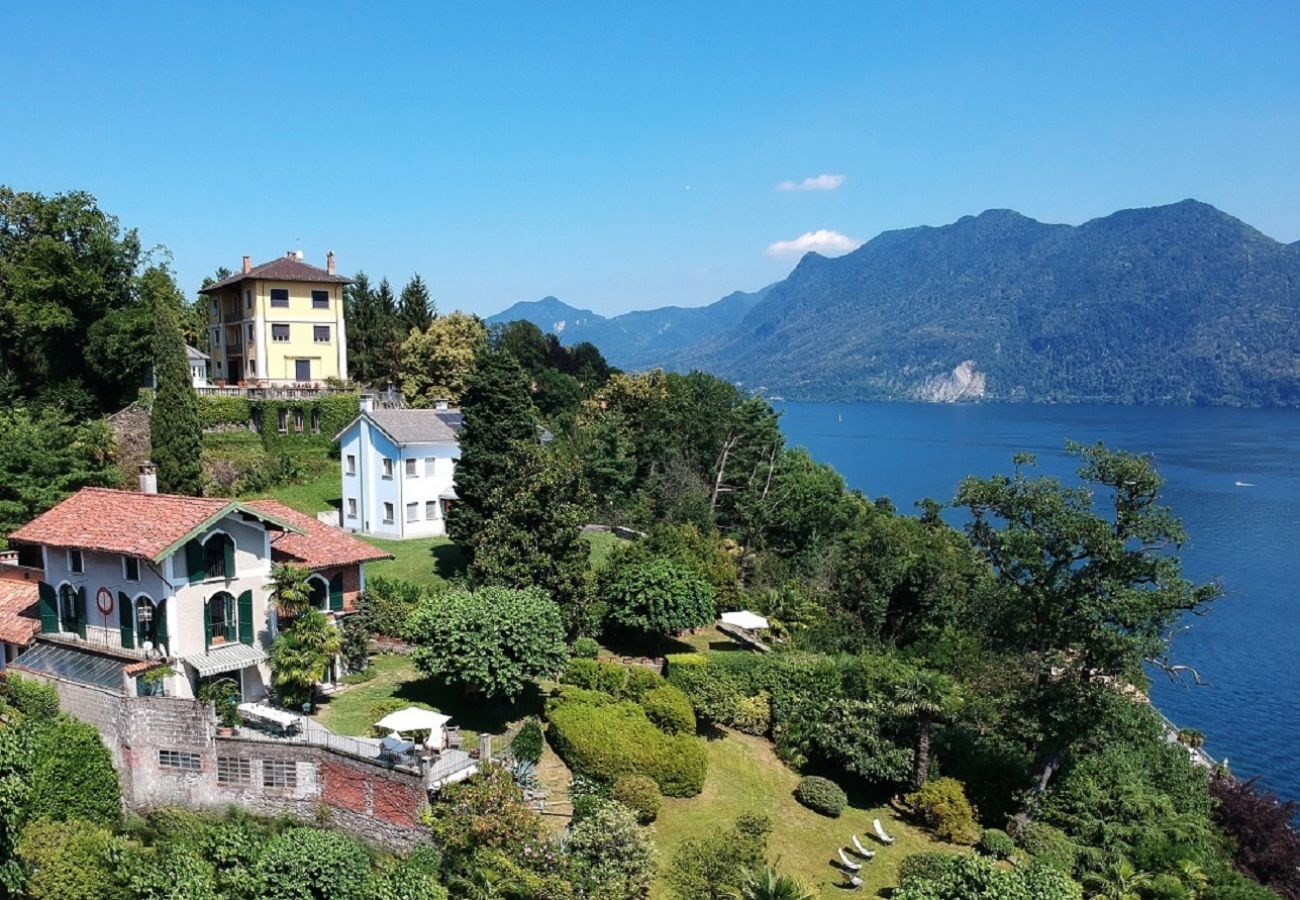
x,y
585,648
927,866
641,681
527,744
942,805
639,794
753,715
603,738
996,843
670,709
217,411
821,795
609,678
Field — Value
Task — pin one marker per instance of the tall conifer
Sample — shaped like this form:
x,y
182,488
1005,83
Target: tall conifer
x,y
174,428
416,308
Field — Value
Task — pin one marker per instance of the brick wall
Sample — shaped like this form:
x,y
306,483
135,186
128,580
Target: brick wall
x,y
168,754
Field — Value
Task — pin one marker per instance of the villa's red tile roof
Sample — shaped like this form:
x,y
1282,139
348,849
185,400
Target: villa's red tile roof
x,y
126,522
319,546
283,268
19,618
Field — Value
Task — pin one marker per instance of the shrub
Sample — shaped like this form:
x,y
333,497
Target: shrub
x,y
713,692
31,697
587,795
821,795
72,774
609,678
386,604
718,864
640,681
658,597
639,794
612,855
527,744
923,867
996,843
585,648
669,708
753,715
309,862
1048,845
603,738
943,807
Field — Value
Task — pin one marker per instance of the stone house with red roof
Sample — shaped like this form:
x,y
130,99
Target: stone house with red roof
x,y
134,581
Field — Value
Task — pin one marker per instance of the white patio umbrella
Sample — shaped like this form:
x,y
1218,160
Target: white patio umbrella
x,y
750,621
415,719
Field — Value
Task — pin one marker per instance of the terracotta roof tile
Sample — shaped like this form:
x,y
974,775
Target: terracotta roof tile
x,y
320,545
283,268
20,619
126,522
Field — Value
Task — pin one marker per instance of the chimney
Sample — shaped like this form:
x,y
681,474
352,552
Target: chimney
x,y
248,265
148,478
329,262
441,403
366,402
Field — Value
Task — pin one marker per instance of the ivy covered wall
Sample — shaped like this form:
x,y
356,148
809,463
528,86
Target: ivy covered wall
x,y
283,425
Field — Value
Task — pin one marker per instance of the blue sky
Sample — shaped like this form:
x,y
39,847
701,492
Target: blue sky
x,y
628,155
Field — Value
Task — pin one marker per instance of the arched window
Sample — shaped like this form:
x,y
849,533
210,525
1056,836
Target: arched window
x,y
219,556
146,620
67,608
219,624
320,593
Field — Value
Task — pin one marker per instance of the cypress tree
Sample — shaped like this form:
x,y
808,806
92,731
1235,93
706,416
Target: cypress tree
x,y
498,413
415,308
174,428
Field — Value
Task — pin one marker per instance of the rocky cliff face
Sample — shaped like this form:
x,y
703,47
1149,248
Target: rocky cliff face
x,y
964,382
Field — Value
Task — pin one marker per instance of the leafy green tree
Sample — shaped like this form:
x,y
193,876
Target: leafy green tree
x,y
928,697
533,535
71,860
44,457
482,813
175,432
492,641
300,656
964,877
65,265
658,597
498,414
1082,594
416,309
611,855
436,360
311,864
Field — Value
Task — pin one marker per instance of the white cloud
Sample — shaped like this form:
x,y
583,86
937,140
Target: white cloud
x,y
824,241
818,183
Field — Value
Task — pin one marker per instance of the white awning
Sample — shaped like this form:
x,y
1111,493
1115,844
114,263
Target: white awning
x,y
225,658
745,619
449,494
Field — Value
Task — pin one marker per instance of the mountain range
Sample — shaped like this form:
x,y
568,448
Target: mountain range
x,y
1176,304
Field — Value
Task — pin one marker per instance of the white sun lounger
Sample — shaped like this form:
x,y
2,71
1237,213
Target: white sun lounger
x,y
848,863
880,832
855,882
861,850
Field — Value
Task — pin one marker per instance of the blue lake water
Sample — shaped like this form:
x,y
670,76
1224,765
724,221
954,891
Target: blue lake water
x,y
1248,537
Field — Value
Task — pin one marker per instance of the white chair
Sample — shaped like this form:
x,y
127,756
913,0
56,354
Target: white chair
x,y
848,863
861,850
880,832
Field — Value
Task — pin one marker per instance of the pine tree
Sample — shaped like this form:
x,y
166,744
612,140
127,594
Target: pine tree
x,y
388,334
416,308
174,427
497,414
359,307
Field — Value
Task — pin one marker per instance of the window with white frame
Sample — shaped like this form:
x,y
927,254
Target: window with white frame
x,y
320,334
130,568
431,509
388,513
412,512
352,464
412,471
428,467
388,467
352,507
279,333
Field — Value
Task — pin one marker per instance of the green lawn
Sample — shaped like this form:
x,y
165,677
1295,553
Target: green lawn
x,y
349,710
745,775
601,544
429,562
320,494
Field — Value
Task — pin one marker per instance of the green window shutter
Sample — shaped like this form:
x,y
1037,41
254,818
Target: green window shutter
x,y
336,591
196,566
160,623
229,546
246,618
207,623
230,618
81,611
126,620
49,609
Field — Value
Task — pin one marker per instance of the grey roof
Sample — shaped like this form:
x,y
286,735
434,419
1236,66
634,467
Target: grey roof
x,y
226,658
74,664
195,353
409,426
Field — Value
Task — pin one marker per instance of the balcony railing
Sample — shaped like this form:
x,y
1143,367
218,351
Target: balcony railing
x,y
261,391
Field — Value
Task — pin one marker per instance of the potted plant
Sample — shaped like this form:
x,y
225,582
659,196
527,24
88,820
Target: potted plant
x,y
224,696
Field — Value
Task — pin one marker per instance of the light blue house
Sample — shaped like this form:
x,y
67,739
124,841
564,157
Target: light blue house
x,y
399,468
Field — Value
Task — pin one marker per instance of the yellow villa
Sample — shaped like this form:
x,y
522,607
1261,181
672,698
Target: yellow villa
x,y
279,323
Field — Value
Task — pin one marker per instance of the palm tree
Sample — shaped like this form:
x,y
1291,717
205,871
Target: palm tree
x,y
300,656
929,696
1120,881
290,590
767,885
